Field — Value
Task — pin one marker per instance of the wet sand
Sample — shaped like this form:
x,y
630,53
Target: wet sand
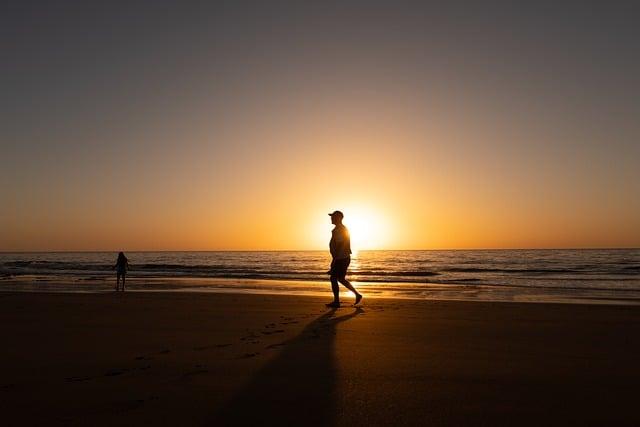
x,y
223,359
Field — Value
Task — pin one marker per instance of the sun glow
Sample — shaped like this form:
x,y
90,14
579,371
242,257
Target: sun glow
x,y
368,230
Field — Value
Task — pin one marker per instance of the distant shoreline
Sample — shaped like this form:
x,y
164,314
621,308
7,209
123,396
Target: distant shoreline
x,y
276,287
101,251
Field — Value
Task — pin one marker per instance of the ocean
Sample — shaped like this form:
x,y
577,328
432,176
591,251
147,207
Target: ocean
x,y
592,275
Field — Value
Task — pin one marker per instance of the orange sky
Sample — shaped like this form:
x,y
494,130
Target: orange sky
x,y
400,184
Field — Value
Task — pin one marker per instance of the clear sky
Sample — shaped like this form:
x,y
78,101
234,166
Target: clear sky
x,y
157,125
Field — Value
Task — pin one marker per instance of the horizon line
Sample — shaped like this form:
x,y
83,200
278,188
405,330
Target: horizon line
x,y
324,250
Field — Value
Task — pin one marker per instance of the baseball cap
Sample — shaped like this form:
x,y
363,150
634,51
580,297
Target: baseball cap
x,y
337,213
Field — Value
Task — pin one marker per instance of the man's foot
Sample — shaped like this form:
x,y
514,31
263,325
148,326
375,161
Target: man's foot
x,y
335,304
358,299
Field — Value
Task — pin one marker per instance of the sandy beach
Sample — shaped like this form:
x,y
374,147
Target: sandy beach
x,y
223,359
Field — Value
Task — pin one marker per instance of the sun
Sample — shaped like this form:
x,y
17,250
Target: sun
x,y
367,230
368,227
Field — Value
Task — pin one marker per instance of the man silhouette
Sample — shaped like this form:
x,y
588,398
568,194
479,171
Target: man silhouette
x,y
340,248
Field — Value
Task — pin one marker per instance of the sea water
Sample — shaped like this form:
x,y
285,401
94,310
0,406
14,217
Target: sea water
x,y
595,275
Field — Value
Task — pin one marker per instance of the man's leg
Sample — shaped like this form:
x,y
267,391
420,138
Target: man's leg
x,y
347,284
335,288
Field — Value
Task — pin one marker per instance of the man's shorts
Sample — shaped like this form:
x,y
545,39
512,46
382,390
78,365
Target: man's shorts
x,y
339,267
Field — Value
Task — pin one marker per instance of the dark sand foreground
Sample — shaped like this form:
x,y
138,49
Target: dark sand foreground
x,y
216,359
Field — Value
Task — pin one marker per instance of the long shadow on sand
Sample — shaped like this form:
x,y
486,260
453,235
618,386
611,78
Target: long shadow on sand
x,y
298,387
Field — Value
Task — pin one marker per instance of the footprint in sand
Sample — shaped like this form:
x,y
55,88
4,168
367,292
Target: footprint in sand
x,y
248,355
202,348
272,346
209,347
279,331
144,358
252,335
251,339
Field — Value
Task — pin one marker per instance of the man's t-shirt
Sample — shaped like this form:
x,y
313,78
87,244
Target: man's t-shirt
x,y
340,244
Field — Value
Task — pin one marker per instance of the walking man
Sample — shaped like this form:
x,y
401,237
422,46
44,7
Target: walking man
x,y
340,247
